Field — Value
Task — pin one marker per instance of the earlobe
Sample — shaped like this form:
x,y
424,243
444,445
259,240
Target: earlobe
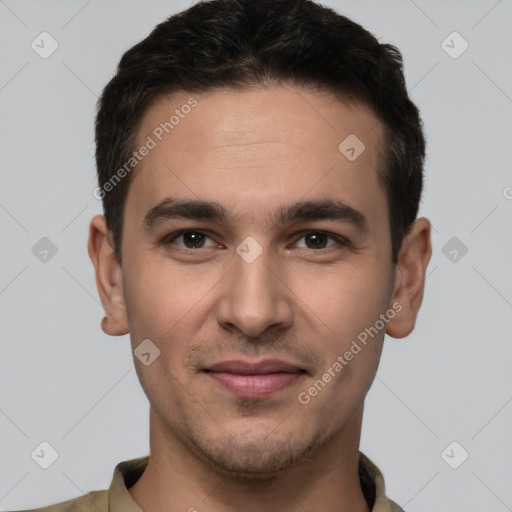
x,y
410,274
109,277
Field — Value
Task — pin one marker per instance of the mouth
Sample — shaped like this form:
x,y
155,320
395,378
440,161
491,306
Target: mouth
x,y
250,380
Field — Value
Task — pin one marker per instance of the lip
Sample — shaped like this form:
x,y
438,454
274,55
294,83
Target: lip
x,y
254,380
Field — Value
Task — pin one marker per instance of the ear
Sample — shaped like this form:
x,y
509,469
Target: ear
x,y
411,267
109,277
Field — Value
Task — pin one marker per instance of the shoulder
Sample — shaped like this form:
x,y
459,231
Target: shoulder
x,y
96,501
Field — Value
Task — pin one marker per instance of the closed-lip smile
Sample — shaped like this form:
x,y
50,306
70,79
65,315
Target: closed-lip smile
x,y
254,380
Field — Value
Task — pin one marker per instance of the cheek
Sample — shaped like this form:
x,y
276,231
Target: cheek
x,y
160,297
345,300
161,307
349,371
346,307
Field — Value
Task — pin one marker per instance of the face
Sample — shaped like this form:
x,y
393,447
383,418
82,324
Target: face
x,y
253,299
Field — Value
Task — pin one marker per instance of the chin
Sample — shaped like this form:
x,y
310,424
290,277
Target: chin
x,y
252,462
254,458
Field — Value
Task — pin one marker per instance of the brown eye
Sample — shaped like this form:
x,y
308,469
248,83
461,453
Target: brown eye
x,y
316,240
190,239
320,240
193,239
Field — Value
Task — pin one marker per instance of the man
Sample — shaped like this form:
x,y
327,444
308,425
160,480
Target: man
x,y
260,166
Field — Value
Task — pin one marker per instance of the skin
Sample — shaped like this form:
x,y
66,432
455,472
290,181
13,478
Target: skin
x,y
254,151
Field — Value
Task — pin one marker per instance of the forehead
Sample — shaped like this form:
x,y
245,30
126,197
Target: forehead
x,y
253,148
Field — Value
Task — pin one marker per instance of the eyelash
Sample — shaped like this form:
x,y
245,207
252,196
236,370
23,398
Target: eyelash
x,y
169,239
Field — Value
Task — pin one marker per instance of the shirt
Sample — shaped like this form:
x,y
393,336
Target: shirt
x,y
126,473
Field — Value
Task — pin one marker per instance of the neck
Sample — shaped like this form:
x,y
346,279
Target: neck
x,y
176,478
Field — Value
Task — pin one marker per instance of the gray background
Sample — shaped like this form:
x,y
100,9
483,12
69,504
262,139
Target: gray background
x,y
65,382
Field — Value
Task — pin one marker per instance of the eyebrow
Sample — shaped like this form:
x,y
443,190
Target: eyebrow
x,y
328,209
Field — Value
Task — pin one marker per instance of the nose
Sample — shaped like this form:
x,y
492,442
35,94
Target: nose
x,y
255,297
